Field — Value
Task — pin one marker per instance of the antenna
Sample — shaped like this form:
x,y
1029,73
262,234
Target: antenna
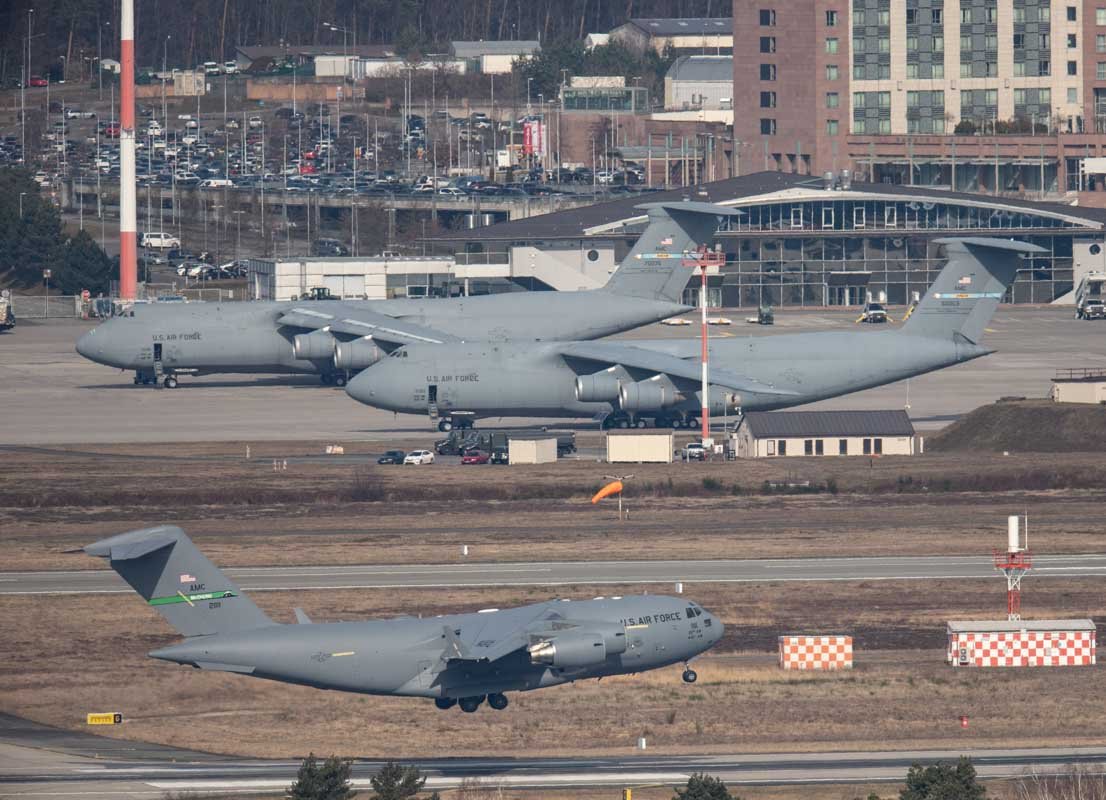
x,y
1014,564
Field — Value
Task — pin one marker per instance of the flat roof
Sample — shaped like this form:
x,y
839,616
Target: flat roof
x,y
1017,626
788,424
254,52
522,47
574,223
690,26
702,68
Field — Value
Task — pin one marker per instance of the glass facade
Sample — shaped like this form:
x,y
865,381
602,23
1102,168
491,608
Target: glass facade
x,y
840,252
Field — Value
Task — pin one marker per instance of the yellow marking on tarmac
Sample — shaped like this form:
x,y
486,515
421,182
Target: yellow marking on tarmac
x,y
347,653
185,598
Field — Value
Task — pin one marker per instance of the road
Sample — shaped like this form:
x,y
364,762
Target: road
x,y
36,760
391,576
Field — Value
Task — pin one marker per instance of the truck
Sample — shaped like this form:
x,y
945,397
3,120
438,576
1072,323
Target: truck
x,y
7,315
461,439
1089,295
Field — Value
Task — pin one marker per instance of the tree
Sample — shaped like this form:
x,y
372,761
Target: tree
x,y
396,782
704,787
83,266
326,781
943,782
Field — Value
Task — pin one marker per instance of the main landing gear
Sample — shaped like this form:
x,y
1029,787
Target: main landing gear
x,y
470,704
333,379
150,379
446,424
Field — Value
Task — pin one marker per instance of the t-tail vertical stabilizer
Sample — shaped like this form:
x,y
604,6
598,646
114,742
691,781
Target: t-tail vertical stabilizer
x,y
969,288
193,595
653,269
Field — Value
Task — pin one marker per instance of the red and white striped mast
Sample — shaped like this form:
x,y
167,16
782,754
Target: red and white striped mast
x,y
128,201
703,259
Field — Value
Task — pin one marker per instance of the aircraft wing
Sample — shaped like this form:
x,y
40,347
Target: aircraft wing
x,y
493,641
362,322
682,370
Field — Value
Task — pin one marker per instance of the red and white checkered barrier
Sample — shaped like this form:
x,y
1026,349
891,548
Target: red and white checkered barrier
x,y
1022,649
816,652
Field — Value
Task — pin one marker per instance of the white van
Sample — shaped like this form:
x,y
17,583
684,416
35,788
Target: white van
x,y
159,240
216,183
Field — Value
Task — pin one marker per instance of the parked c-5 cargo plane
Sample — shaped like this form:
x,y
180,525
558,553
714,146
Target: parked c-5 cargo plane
x,y
337,338
457,659
629,383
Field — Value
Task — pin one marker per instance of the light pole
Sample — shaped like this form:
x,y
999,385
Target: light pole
x,y
238,245
21,204
528,82
46,280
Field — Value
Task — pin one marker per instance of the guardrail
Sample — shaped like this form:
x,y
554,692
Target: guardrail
x,y
42,307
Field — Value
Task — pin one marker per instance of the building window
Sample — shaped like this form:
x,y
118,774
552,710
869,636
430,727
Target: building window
x,y
860,45
939,71
1100,16
771,447
767,126
911,16
767,72
885,44
858,216
831,127
1100,43
877,446
1072,41
831,72
827,217
831,46
842,447
1100,71
767,17
937,16
831,19
1073,68
990,42
890,216
819,447
1071,14
1019,69
1019,41
767,99
767,44
912,70
833,100
808,447
867,447
992,14
965,15
1073,95
965,43
781,447
1043,42
1044,68
1019,14
938,44
858,16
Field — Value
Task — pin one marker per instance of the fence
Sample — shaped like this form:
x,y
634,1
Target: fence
x,y
42,307
73,307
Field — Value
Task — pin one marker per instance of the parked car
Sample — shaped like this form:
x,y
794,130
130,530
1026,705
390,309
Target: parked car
x,y
419,457
38,80
873,313
255,122
694,451
475,457
159,240
392,457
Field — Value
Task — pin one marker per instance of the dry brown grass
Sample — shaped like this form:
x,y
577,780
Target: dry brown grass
x,y
77,654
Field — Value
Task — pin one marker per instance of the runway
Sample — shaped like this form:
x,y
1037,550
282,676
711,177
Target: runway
x,y
567,573
37,760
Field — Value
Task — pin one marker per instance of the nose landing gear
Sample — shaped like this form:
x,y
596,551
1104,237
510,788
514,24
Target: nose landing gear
x,y
689,676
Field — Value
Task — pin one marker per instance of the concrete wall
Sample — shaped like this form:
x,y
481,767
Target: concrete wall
x,y
639,448
281,92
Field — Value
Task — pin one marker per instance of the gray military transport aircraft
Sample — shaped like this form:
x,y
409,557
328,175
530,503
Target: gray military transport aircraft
x,y
337,338
627,383
458,659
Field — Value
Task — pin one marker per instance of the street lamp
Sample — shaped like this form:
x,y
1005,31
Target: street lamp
x,y
528,82
21,204
339,29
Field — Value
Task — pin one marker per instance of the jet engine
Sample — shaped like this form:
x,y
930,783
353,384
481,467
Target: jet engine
x,y
314,346
358,354
600,387
585,649
649,395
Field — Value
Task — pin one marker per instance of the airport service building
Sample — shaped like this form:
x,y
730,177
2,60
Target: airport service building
x,y
805,241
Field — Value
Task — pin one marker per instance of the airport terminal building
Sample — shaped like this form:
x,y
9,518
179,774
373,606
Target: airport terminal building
x,y
806,241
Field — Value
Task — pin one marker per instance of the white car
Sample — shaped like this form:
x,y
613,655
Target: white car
x,y
675,321
160,240
419,457
255,122
230,67
451,191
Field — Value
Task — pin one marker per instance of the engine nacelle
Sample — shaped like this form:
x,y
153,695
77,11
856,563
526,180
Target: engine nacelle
x,y
648,395
358,354
574,650
314,346
601,387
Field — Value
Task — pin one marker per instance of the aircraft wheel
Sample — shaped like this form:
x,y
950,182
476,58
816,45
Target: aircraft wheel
x,y
170,382
339,380
445,426
641,423
624,423
470,704
497,701
137,379
445,703
692,422
690,676
326,378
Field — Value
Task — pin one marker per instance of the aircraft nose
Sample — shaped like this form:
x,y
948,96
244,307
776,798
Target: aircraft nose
x,y
360,388
88,346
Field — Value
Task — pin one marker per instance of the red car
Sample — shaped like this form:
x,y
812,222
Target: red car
x,y
38,80
111,130
475,457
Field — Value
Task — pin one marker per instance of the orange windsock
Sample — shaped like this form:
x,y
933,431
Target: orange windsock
x,y
615,487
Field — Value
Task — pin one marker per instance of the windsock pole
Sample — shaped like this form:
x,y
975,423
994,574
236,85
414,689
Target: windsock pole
x,y
128,219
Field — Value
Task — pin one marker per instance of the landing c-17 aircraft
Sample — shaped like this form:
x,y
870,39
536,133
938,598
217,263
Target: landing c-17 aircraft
x,y
627,383
458,659
337,338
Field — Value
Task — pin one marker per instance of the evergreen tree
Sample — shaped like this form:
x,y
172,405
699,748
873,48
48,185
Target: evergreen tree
x,y
943,782
326,781
84,266
396,782
704,787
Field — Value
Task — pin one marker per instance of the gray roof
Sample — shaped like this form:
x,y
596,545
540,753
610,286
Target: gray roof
x,y
789,424
504,48
694,26
254,52
1017,626
702,68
